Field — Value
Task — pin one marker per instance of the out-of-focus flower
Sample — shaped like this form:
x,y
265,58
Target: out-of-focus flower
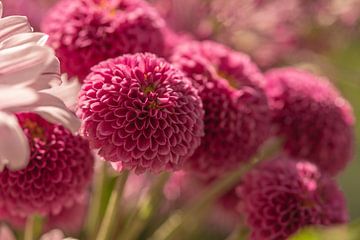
x,y
141,112
27,68
55,234
85,32
236,112
6,233
187,16
33,9
281,196
270,30
71,218
59,170
315,121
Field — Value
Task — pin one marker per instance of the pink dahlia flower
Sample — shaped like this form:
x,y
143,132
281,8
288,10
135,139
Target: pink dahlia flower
x,y
33,9
27,70
281,196
60,168
236,111
141,112
315,121
85,32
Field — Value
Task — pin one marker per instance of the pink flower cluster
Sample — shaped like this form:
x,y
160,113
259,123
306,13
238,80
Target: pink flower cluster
x,y
152,100
281,196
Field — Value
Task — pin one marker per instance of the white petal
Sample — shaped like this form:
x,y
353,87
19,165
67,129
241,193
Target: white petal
x,y
14,146
54,234
12,25
53,110
23,38
59,116
22,65
68,91
49,76
1,9
11,97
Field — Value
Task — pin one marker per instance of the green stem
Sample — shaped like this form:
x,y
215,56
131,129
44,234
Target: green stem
x,y
29,228
93,219
191,213
145,209
109,220
238,233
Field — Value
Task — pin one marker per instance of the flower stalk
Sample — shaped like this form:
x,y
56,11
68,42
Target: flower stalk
x,y
109,220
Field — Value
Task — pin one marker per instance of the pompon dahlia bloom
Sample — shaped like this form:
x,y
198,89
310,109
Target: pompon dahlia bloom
x,y
85,32
60,169
281,196
33,9
312,117
27,70
236,111
141,112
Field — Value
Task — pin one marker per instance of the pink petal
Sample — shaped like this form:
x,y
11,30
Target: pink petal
x,y
14,146
9,26
23,65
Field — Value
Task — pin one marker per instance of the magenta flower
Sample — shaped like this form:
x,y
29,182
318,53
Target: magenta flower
x,y
85,32
141,112
315,121
60,168
281,196
236,110
33,9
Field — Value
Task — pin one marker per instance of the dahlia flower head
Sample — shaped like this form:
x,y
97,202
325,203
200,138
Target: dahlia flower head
x,y
280,196
28,70
85,32
70,219
236,110
59,170
314,120
33,9
141,113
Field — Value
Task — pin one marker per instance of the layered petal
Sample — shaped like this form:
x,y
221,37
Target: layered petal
x,y
24,38
14,147
10,26
22,65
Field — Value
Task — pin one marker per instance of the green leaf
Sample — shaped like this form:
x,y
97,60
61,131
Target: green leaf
x,y
343,232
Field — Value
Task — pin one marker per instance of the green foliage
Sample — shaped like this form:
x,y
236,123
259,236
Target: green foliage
x,y
343,232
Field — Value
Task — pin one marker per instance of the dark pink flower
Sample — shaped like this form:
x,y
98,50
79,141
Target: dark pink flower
x,y
60,168
315,121
236,111
141,112
281,196
85,32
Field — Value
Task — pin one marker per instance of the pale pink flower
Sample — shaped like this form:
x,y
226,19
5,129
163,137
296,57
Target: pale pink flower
x,y
27,71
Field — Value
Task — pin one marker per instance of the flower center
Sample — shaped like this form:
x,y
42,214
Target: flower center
x,y
230,79
153,105
149,88
106,5
35,130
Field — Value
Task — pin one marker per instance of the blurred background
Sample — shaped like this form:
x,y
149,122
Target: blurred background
x,y
322,36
